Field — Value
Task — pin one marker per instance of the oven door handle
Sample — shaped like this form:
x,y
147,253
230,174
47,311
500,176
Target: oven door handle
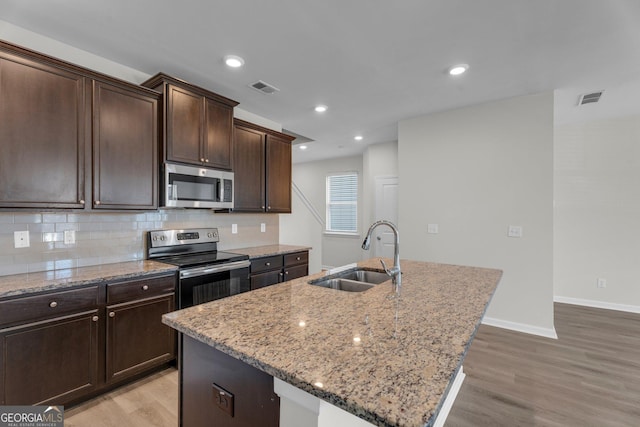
x,y
201,271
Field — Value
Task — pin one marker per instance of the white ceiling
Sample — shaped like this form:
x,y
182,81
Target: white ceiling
x,y
373,62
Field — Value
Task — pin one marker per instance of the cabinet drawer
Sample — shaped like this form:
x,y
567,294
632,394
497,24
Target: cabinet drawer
x,y
296,258
266,264
48,305
143,288
265,279
295,272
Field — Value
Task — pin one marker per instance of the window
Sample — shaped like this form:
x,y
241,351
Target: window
x,y
342,203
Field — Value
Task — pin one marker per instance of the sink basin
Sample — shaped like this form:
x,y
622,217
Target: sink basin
x,y
352,280
344,285
373,277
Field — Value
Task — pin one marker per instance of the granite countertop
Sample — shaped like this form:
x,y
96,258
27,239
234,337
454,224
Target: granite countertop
x,y
388,361
269,250
22,284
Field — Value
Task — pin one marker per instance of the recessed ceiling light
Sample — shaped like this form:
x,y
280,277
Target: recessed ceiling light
x,y
302,147
321,108
358,137
233,61
456,70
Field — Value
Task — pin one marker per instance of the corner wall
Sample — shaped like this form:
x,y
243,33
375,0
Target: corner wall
x,y
475,171
597,209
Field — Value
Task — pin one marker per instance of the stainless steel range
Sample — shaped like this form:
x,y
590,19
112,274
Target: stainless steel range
x,y
205,273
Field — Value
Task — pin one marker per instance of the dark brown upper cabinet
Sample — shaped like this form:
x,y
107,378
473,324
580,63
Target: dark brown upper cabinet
x,y
42,134
70,135
262,169
198,123
125,148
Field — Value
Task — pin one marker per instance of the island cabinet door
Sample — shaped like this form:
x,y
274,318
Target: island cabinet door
x,y
219,390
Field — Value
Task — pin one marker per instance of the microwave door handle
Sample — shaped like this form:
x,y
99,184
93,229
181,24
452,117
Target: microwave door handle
x,y
220,190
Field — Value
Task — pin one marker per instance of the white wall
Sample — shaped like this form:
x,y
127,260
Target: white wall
x,y
311,179
597,211
475,171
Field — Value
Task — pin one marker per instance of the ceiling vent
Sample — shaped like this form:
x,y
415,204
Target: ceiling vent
x,y
590,98
264,87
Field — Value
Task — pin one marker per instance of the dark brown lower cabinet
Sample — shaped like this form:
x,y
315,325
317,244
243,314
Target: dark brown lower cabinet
x,y
266,271
136,339
218,390
51,361
63,347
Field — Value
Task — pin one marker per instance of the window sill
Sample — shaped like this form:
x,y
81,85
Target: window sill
x,y
339,234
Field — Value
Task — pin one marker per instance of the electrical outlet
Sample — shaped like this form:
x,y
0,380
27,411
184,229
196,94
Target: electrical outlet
x,y
234,228
432,228
263,227
514,231
601,283
69,237
20,239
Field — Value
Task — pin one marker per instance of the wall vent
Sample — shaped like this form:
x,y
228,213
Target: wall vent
x,y
590,98
264,87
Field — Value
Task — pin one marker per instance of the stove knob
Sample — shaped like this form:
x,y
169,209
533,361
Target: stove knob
x,y
210,235
163,238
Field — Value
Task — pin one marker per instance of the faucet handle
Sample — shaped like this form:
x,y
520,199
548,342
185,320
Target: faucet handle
x,y
386,270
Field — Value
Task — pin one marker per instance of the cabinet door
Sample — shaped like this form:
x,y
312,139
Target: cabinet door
x,y
136,337
42,135
278,172
295,272
219,125
49,362
125,149
185,116
265,279
248,168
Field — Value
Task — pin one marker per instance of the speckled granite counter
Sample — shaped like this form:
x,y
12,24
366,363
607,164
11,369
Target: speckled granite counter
x,y
268,250
22,284
388,361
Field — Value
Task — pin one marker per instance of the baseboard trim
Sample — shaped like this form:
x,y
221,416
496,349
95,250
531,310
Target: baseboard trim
x,y
521,327
597,304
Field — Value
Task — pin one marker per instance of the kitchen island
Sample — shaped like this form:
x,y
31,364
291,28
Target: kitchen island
x,y
390,362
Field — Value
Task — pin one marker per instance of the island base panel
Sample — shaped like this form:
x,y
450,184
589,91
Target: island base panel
x,y
205,371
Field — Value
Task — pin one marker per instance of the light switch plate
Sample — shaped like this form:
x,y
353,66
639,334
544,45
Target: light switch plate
x,y
514,231
234,228
69,237
263,227
20,239
432,228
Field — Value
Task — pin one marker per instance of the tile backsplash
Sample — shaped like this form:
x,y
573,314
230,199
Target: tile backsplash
x,y
104,238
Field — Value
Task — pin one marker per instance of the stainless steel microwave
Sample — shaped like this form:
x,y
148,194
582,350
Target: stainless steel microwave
x,y
194,187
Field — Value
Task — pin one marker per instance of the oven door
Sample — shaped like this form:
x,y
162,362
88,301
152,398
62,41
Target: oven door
x,y
202,284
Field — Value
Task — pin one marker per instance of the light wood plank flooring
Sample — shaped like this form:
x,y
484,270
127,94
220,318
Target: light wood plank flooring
x,y
590,376
152,401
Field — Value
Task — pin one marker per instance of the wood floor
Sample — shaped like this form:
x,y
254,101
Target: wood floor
x,y
589,376
152,401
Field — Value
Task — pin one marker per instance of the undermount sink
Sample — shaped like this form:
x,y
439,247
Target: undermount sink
x,y
352,280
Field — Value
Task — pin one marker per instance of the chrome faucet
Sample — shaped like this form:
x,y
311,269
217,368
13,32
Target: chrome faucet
x,y
394,272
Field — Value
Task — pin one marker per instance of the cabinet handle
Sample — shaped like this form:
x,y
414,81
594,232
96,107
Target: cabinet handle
x,y
268,208
206,160
81,201
97,202
53,304
112,314
262,207
94,318
297,258
145,287
286,273
267,264
202,159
